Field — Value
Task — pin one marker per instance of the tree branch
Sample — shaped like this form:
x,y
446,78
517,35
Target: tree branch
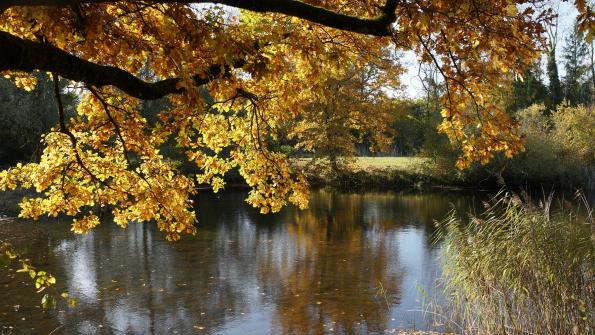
x,y
64,130
378,26
23,55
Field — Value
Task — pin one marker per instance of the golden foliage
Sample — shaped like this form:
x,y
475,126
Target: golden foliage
x,y
274,69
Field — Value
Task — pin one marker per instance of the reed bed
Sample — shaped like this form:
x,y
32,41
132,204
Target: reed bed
x,y
519,268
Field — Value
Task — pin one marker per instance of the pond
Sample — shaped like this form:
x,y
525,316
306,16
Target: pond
x,y
349,264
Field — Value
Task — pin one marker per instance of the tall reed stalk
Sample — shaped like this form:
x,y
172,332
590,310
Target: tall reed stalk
x,y
520,269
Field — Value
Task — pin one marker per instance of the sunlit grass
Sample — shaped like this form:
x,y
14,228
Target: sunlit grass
x,y
381,163
392,163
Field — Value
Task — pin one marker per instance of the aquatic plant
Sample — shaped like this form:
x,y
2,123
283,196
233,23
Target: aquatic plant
x,y
520,268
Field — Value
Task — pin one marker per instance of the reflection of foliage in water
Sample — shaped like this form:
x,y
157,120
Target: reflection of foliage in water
x,y
344,276
242,270
332,283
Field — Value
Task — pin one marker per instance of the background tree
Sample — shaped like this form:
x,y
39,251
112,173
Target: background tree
x,y
25,116
575,52
555,88
351,110
591,69
529,90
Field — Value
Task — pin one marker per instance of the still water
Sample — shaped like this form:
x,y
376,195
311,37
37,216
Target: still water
x,y
350,264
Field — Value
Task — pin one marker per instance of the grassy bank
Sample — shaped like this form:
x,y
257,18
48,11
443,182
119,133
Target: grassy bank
x,y
363,173
390,163
369,173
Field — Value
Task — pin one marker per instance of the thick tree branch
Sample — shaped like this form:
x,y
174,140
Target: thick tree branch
x,y
378,26
23,55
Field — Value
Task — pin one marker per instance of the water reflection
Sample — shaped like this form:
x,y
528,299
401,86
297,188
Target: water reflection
x,y
349,264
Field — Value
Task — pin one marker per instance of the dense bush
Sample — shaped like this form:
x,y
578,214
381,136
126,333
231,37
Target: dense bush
x,y
559,151
559,147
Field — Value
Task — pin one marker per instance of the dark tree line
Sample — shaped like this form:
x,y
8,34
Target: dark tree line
x,y
25,116
576,86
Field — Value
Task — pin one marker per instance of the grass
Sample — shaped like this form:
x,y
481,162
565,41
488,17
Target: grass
x,y
379,164
390,163
367,172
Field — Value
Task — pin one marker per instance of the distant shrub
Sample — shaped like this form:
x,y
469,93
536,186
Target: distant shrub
x,y
559,147
574,127
559,151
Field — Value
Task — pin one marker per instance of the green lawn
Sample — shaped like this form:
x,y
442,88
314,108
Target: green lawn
x,y
382,163
391,163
